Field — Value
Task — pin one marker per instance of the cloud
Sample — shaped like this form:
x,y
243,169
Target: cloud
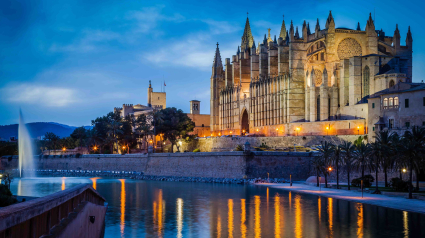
x,y
149,17
89,41
39,95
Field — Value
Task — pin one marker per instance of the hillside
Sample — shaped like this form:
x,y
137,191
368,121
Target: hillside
x,y
37,129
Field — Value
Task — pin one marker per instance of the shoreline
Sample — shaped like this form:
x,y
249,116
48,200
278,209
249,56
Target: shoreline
x,y
399,203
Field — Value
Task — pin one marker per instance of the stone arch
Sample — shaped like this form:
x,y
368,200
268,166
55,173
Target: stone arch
x,y
348,48
317,77
392,83
244,121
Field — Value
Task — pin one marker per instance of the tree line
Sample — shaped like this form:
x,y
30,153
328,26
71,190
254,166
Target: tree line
x,y
111,132
389,152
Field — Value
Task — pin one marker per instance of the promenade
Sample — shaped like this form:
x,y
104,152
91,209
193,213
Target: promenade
x,y
400,203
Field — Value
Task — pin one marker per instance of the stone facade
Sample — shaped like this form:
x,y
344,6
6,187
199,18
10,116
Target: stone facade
x,y
324,76
202,121
397,108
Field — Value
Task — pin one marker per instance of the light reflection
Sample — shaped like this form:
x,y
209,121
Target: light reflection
x,y
276,216
230,217
330,214
267,200
290,199
179,217
319,205
161,209
63,183
19,188
257,217
122,218
359,220
218,226
243,218
94,180
298,214
405,224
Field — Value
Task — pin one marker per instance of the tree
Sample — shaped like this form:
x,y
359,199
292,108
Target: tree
x,y
337,153
362,153
412,147
143,127
376,159
114,131
80,136
174,124
384,139
348,151
318,166
326,152
52,140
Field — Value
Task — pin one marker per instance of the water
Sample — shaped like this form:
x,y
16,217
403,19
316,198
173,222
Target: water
x,y
26,157
177,209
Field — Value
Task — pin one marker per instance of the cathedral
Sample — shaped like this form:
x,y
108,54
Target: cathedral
x,y
306,83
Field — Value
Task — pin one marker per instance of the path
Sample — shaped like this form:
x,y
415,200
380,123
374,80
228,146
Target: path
x,y
411,205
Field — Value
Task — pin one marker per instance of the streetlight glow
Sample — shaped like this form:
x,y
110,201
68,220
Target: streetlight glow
x,y
404,170
330,169
63,148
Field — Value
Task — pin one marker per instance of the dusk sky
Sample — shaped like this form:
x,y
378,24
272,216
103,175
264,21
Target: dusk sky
x,y
72,61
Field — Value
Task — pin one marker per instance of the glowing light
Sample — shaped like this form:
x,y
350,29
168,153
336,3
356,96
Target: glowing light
x,y
243,218
230,217
179,217
94,182
219,134
277,129
330,169
277,216
243,131
319,204
94,148
257,129
218,226
358,127
298,222
161,209
298,129
230,132
211,134
257,217
405,224
327,128
360,220
123,147
404,170
150,141
64,149
122,217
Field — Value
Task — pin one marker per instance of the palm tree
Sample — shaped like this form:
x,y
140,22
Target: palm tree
x,y
384,139
413,150
317,165
337,153
362,153
326,153
348,151
375,160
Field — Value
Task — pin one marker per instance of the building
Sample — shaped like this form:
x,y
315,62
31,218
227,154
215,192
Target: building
x,y
306,83
397,108
202,121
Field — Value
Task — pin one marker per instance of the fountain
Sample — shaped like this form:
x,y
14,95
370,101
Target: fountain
x,y
26,157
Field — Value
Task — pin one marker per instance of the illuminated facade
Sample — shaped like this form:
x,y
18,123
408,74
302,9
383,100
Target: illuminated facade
x,y
317,83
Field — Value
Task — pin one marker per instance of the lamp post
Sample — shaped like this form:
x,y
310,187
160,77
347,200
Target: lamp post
x,y
320,183
404,171
327,130
290,180
123,148
358,130
277,131
297,130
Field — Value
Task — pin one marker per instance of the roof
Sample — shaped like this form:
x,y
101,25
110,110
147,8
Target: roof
x,y
401,87
194,101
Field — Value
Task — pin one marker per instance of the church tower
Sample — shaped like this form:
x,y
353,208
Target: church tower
x,y
247,38
217,83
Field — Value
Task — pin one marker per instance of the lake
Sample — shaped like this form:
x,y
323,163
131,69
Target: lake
x,y
139,208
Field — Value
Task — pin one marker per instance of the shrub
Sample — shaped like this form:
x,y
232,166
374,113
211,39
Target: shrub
x,y
6,197
367,181
264,146
197,150
239,148
399,185
304,138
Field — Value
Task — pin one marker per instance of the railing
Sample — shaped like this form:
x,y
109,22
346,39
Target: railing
x,y
36,217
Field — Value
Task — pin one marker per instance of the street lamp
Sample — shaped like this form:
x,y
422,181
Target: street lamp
x,y
297,129
358,130
327,130
404,171
330,169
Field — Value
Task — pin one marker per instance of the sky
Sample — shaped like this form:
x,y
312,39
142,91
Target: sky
x,y
72,61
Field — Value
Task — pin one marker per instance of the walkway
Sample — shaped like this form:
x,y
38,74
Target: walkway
x,y
411,205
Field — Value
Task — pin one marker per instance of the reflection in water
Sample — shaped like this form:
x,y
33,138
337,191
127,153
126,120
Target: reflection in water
x,y
122,220
243,218
179,217
298,214
230,219
63,183
359,220
319,206
158,216
218,226
19,193
94,182
290,198
257,217
276,216
405,224
267,199
330,214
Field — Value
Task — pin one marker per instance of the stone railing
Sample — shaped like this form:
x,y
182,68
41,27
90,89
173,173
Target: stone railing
x,y
37,217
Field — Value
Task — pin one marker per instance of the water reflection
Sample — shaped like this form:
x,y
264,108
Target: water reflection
x,y
179,217
138,209
63,183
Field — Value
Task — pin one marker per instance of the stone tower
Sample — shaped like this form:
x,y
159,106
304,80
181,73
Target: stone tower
x,y
217,83
150,90
195,107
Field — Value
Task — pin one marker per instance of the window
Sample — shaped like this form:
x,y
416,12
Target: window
x,y
392,83
406,103
366,77
373,128
373,105
391,103
407,124
396,102
385,103
202,125
391,123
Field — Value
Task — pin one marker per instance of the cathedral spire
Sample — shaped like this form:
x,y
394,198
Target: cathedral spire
x,y
297,35
217,58
247,38
358,27
409,38
330,20
317,29
283,29
308,28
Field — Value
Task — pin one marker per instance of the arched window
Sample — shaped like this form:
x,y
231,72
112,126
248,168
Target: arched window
x,y
391,103
385,103
392,83
366,77
396,102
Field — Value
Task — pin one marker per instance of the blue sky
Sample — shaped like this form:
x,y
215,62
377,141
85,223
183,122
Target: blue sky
x,y
72,61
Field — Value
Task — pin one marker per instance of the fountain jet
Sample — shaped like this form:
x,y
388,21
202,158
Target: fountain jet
x,y
26,157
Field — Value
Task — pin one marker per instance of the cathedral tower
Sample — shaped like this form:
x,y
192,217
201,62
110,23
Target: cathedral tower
x,y
217,83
